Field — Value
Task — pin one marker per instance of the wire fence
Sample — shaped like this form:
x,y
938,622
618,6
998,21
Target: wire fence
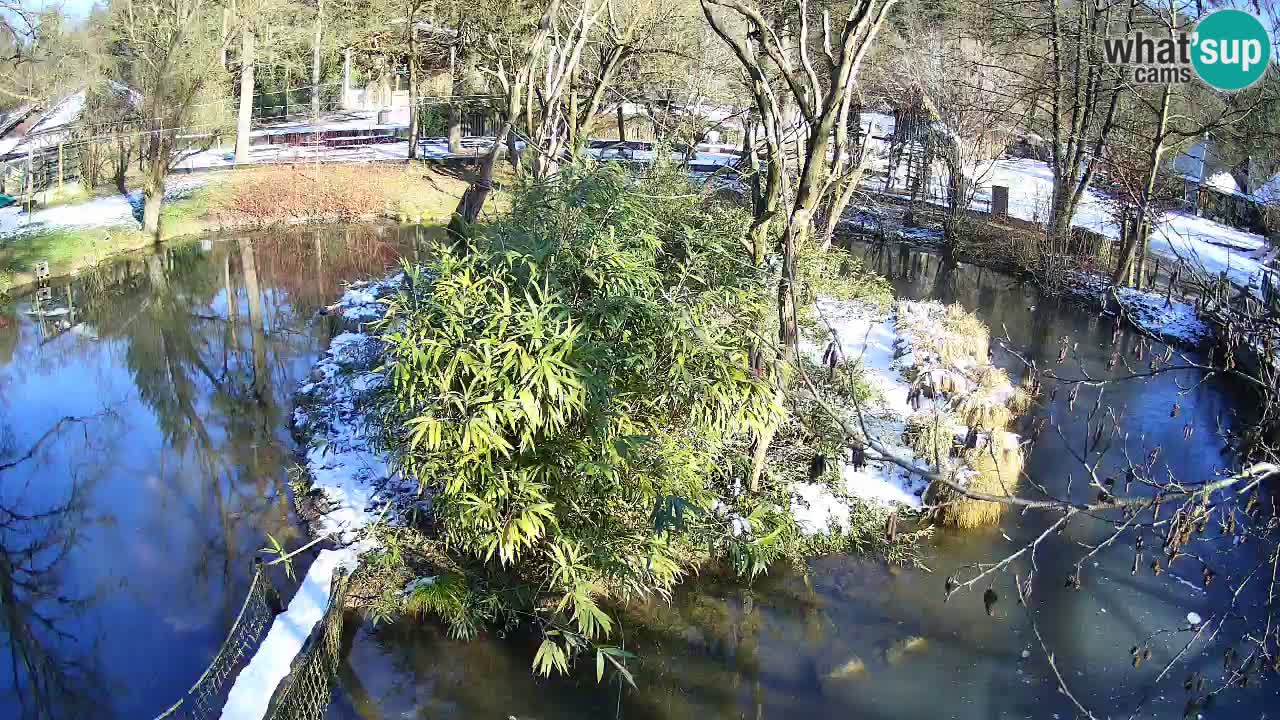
x,y
94,154
205,698
305,693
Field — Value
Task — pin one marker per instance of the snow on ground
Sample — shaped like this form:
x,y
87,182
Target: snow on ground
x,y
868,337
106,211
349,474
1214,247
1174,322
335,422
1206,245
889,354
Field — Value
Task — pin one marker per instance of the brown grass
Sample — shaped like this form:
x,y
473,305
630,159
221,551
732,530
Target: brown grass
x,y
956,337
932,436
997,469
952,346
984,411
294,194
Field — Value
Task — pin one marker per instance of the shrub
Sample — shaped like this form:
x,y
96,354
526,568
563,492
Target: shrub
x,y
572,385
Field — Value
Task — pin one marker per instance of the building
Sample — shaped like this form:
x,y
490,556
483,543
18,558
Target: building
x,y
1215,191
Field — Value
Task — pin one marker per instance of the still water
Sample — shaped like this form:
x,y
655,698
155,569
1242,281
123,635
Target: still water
x,y
127,533
776,650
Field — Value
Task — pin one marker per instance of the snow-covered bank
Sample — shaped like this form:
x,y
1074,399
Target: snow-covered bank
x,y
350,481
1172,321
923,372
109,211
1206,245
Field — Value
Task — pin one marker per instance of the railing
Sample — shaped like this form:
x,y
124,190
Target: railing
x,y
305,693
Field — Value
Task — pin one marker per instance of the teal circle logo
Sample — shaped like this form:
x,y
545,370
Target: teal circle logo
x,y
1231,49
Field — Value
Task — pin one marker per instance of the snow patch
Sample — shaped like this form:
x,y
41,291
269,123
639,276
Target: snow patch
x,y
350,478
255,685
1172,321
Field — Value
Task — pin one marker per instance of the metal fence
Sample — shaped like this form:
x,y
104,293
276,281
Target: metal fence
x,y
305,693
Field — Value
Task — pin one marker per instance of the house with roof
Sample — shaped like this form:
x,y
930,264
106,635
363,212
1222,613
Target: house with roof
x,y
33,136
1214,190
36,128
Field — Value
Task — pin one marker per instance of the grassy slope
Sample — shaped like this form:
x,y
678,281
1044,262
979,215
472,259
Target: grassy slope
x,y
411,194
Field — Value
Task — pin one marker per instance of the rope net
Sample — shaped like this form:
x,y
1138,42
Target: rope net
x,y
204,700
305,693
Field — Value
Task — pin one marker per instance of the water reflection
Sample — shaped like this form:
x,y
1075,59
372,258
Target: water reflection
x,y
846,638
126,541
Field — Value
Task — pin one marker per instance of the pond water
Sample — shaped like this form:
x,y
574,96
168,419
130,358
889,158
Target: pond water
x,y
127,535
777,650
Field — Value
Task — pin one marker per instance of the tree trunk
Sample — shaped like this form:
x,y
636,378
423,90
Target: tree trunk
x,y
123,150
315,63
246,95
622,123
455,111
473,199
257,334
414,119
152,200
1124,264
572,117
513,152
764,196
844,194
157,166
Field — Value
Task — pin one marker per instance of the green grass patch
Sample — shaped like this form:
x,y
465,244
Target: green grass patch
x,y
192,214
67,250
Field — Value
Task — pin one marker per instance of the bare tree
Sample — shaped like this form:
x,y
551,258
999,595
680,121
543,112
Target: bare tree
x,y
822,99
162,49
515,62
38,55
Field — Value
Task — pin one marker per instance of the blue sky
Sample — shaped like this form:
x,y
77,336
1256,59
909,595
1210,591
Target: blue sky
x,y
73,8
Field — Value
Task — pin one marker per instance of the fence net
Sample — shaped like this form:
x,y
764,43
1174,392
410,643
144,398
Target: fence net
x,y
305,693
204,699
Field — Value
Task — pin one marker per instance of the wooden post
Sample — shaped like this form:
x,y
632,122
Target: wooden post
x,y
999,201
31,182
59,168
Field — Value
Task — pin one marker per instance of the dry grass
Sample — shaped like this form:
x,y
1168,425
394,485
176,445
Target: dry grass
x,y
992,377
281,194
984,411
932,436
951,347
968,330
996,471
951,334
1020,401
